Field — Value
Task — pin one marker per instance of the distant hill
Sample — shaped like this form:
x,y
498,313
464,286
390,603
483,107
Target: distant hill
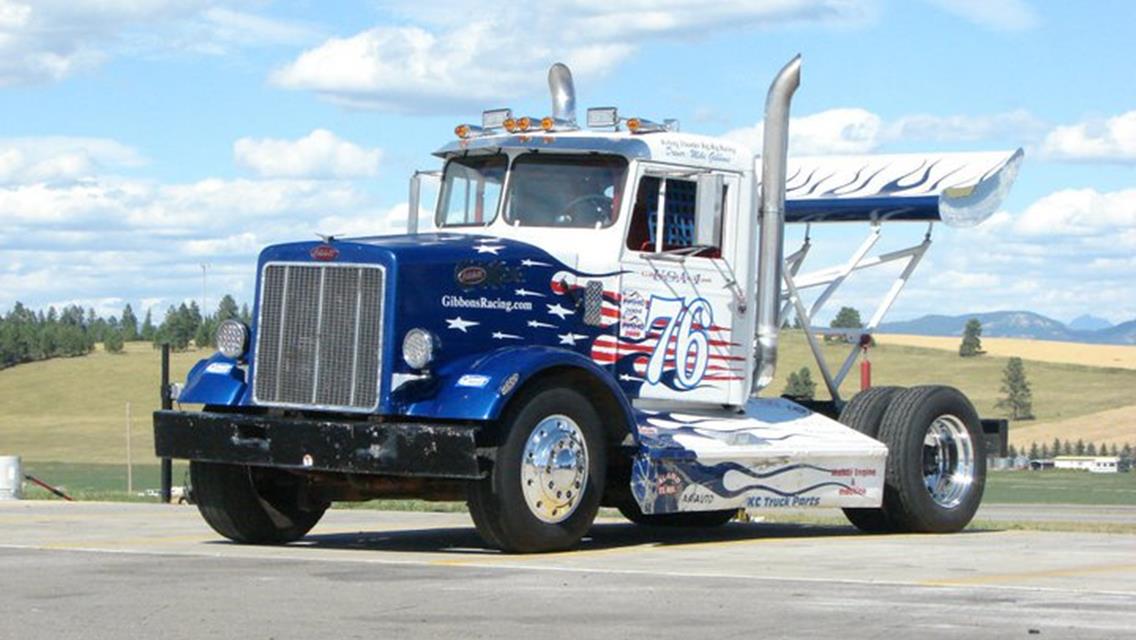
x,y
1014,324
1123,333
1086,322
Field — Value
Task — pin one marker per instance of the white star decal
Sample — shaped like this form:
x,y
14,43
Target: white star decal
x,y
533,263
537,324
559,311
570,338
526,293
497,335
489,248
460,324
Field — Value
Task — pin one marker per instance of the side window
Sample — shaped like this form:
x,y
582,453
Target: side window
x,y
681,211
471,189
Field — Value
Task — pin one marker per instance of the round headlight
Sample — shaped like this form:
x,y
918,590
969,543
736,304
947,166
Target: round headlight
x,y
232,338
418,348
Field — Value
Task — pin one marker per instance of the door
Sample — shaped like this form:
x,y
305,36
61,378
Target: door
x,y
679,297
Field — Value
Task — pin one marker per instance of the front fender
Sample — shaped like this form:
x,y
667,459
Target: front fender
x,y
478,388
214,381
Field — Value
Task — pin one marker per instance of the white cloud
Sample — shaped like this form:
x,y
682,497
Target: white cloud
x,y
835,131
999,15
1080,212
48,40
111,237
852,130
1019,124
320,154
1110,140
55,158
449,59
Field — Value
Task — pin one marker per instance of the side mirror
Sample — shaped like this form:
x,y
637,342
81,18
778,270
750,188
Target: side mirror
x,y
708,210
415,196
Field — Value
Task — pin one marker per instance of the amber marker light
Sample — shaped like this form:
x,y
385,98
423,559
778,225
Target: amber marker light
x,y
633,124
510,125
547,123
462,131
524,123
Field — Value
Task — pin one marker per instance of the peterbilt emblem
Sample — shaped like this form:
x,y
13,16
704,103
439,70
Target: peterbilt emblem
x,y
324,252
493,274
471,276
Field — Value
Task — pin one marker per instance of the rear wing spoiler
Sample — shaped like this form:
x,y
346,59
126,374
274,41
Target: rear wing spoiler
x,y
960,189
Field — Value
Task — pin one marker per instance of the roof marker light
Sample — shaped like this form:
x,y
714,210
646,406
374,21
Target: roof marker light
x,y
464,131
642,125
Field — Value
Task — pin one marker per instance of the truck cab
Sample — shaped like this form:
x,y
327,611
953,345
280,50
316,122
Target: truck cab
x,y
590,322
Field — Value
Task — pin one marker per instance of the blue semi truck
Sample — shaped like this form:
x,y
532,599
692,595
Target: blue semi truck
x,y
590,321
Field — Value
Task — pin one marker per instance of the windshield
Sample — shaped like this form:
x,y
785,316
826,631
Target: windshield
x,y
565,190
471,189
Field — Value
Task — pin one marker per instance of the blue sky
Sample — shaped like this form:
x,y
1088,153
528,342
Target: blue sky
x,y
143,138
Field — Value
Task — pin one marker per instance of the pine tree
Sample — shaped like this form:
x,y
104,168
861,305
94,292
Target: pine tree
x,y
971,339
1056,449
1066,448
846,318
1091,449
1079,448
148,330
1013,451
1045,451
801,385
227,309
129,324
112,342
1034,451
1017,398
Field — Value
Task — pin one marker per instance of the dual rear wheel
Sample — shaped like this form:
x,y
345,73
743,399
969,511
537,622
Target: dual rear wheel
x,y
936,467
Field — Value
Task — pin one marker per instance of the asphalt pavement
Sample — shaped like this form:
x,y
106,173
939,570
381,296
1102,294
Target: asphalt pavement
x,y
96,570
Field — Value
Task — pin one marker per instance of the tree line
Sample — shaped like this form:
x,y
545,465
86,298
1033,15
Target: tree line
x,y
1046,450
28,335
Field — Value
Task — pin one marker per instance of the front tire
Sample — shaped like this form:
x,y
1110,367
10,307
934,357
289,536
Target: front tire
x,y
252,506
544,490
936,470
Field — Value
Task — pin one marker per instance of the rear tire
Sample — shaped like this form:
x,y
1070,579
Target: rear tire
x,y
545,486
936,470
864,413
252,506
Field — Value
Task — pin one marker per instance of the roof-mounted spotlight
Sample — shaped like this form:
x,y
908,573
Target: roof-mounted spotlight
x,y
603,117
495,118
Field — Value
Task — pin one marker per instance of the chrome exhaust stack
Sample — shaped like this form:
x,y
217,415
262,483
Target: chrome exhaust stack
x,y
771,222
563,92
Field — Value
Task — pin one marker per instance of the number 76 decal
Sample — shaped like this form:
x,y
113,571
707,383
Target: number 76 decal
x,y
685,329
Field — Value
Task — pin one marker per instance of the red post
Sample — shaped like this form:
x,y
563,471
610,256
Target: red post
x,y
865,363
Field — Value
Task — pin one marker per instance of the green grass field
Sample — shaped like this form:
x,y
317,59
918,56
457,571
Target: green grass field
x,y
1061,487
74,410
108,482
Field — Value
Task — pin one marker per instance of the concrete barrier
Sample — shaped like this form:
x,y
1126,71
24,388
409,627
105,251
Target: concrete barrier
x,y
11,478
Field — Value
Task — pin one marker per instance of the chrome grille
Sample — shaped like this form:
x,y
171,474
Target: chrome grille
x,y
319,336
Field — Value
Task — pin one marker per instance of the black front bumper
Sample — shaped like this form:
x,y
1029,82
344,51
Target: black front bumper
x,y
387,448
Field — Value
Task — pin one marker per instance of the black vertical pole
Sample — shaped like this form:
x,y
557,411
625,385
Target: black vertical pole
x,y
167,404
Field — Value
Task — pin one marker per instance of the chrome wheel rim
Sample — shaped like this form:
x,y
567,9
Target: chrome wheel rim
x,y
948,461
554,469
